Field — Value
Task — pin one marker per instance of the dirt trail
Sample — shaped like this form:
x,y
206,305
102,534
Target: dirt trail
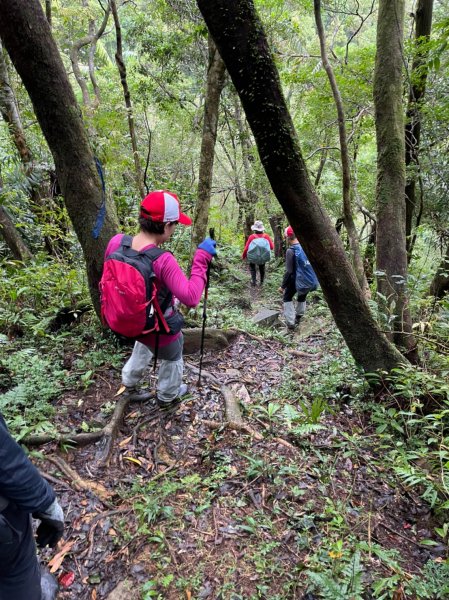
x,y
193,510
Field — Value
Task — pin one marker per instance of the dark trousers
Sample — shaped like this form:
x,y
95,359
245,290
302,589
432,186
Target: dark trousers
x,y
253,270
289,293
20,577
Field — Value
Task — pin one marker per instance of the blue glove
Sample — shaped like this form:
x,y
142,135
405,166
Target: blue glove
x,y
209,245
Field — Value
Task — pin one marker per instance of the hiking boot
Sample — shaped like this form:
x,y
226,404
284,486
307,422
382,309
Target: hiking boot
x,y
167,405
291,327
134,394
298,319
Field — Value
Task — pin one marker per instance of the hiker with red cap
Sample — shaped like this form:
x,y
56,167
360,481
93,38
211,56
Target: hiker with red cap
x,y
299,278
257,251
162,337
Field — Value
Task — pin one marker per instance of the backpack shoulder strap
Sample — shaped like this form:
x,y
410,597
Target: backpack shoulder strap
x,y
126,242
154,253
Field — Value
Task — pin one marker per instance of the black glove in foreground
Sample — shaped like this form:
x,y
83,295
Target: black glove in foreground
x,y
51,528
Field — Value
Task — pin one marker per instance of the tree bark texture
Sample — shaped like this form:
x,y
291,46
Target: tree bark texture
x,y
348,218
390,190
243,46
127,96
12,237
214,86
27,37
418,78
440,283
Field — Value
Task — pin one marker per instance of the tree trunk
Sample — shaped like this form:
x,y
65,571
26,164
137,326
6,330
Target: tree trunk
x,y
243,46
440,283
12,238
418,78
390,195
127,96
90,39
348,218
10,112
27,37
215,82
248,197
276,226
48,11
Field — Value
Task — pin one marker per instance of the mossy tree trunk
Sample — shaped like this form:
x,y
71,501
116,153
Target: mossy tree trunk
x,y
390,190
26,35
241,40
214,86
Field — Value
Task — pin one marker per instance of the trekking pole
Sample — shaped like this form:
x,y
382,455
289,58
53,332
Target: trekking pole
x,y
206,291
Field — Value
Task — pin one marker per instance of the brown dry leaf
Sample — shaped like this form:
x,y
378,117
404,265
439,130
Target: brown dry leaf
x,y
120,391
94,594
57,559
188,595
164,457
125,441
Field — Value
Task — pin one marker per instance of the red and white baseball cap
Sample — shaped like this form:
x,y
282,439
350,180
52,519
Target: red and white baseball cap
x,y
163,206
289,231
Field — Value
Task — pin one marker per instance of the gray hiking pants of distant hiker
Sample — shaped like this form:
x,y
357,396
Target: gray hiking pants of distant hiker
x,y
170,370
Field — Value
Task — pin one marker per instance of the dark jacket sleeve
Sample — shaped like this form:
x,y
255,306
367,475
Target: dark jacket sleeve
x,y
20,481
290,268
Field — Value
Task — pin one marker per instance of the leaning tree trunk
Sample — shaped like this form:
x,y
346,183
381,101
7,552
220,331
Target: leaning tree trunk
x,y
12,237
391,244
127,96
348,218
240,38
215,82
440,282
27,37
418,78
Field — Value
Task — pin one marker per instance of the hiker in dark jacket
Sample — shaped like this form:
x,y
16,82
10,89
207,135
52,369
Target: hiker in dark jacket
x,y
23,492
257,251
299,278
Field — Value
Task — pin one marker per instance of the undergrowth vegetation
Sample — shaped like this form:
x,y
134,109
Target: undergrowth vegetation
x,y
395,441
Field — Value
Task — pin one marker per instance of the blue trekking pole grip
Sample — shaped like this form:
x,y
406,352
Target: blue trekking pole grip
x,y
206,293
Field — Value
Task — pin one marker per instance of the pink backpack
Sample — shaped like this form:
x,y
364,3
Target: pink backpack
x,y
129,297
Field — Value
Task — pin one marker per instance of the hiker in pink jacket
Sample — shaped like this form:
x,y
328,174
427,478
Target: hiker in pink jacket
x,y
159,214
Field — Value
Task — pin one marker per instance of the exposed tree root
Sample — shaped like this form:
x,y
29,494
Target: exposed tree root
x,y
234,426
105,436
110,432
214,339
77,482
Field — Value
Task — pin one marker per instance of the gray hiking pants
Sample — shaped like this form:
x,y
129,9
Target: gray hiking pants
x,y
170,370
